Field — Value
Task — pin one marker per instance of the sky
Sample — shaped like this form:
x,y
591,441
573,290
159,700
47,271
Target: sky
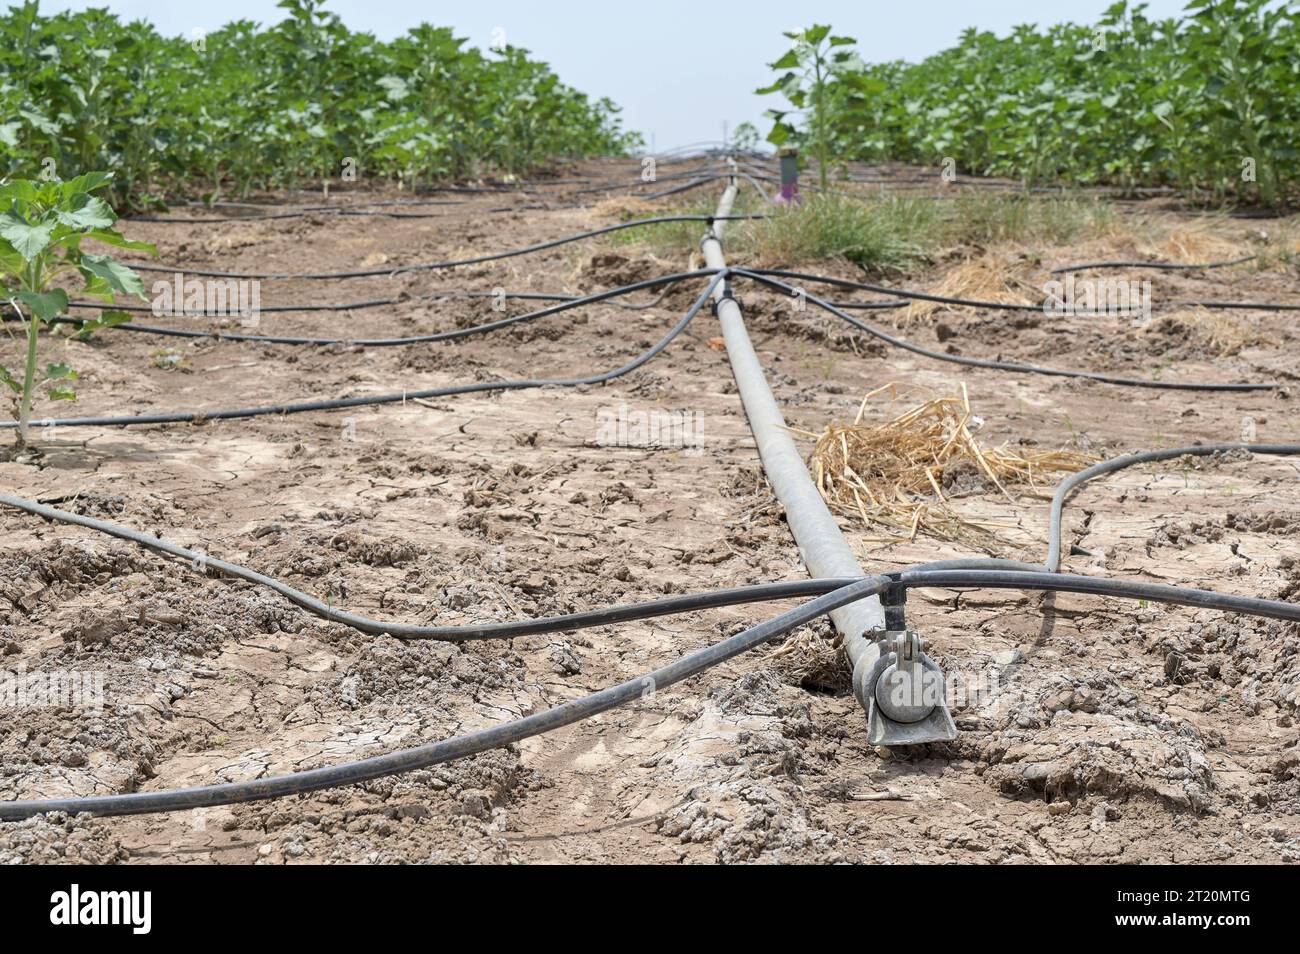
x,y
682,71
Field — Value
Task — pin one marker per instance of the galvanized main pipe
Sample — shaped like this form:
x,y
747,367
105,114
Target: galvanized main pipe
x,y
823,548
815,531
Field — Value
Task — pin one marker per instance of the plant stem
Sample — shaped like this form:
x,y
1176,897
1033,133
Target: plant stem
x,y
29,380
819,115
34,278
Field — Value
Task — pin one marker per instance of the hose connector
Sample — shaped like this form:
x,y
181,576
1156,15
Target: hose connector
x,y
724,293
902,690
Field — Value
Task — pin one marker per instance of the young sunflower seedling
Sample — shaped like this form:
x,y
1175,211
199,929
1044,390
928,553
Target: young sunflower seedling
x,y
42,226
817,72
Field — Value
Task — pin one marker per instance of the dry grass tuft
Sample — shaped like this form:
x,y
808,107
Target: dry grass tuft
x,y
811,657
903,473
1160,239
1216,331
990,277
1278,245
1195,243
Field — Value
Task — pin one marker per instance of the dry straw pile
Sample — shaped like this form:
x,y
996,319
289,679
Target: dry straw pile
x,y
903,474
990,277
1198,242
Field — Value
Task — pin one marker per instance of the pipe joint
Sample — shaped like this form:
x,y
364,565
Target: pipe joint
x,y
902,690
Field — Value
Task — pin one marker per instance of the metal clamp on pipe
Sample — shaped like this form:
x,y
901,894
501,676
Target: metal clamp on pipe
x,y
902,689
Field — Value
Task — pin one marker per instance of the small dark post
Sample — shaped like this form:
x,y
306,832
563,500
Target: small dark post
x,y
789,157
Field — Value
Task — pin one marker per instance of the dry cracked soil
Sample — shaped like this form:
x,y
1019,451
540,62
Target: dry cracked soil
x,y
1109,731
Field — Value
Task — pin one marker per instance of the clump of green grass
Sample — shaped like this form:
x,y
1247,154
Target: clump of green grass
x,y
885,234
893,233
985,220
672,239
878,234
667,239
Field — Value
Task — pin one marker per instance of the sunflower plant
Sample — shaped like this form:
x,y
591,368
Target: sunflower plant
x,y
42,227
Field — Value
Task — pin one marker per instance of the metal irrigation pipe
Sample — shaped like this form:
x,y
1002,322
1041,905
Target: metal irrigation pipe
x,y
823,549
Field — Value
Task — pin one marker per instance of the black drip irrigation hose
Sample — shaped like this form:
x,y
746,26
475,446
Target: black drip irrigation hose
x,y
764,277
714,177
360,213
1237,305
198,417
340,306
1162,266
520,187
1068,485
570,300
364,304
611,185
429,266
204,563
293,207
376,209
453,334
517,730
604,616
1101,586
451,293
278,216
434,753
835,593
995,305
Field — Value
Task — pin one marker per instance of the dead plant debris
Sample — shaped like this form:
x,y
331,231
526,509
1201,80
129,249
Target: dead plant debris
x,y
903,474
988,277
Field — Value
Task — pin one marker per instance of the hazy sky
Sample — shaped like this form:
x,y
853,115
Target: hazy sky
x,y
679,70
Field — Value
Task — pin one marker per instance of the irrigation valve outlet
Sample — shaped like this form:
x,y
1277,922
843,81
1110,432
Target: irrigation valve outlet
x,y
903,692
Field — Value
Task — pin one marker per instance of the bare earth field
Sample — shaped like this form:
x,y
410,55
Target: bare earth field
x,y
1119,732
